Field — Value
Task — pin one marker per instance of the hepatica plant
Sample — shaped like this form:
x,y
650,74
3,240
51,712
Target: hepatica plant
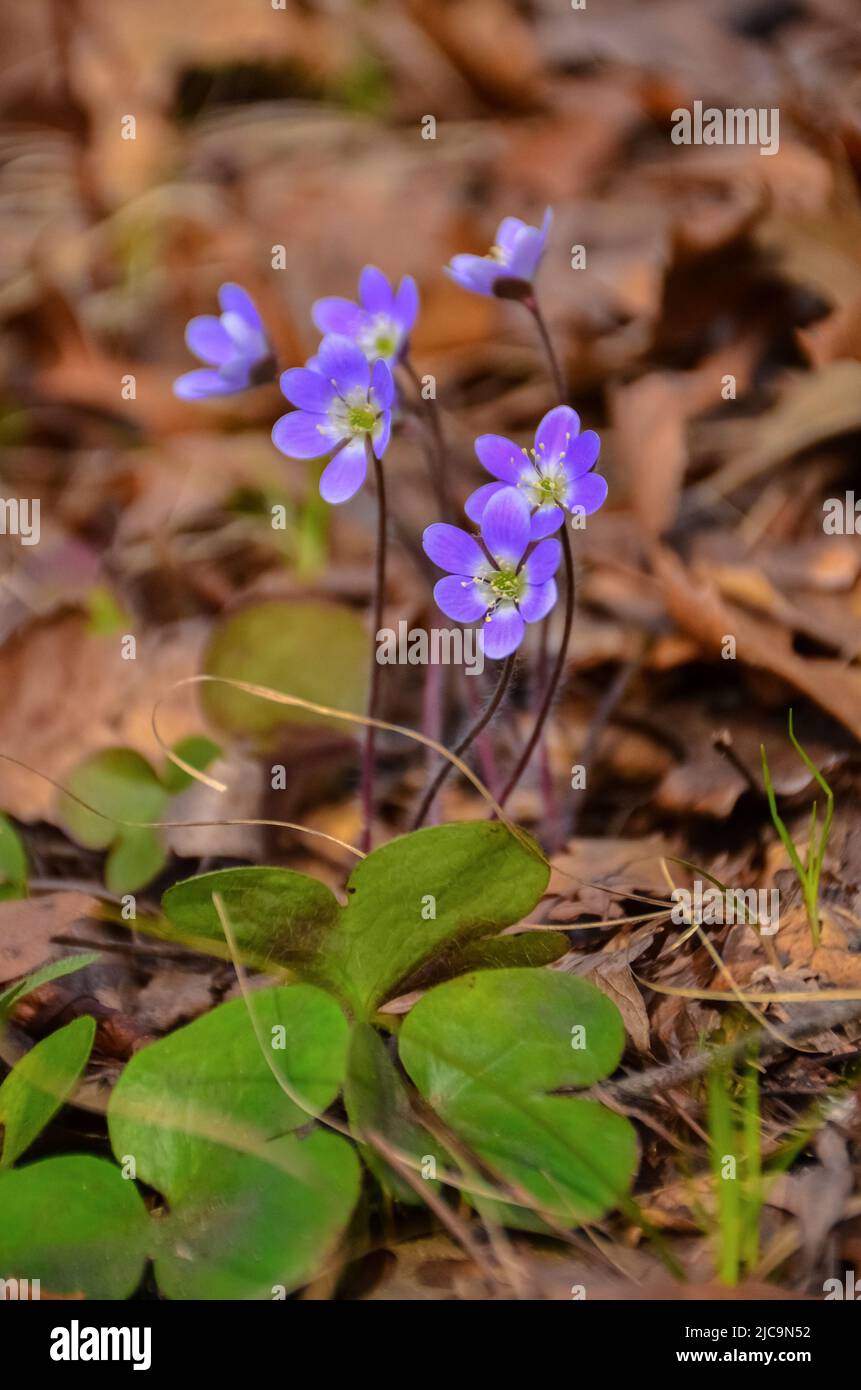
x,y
243,1142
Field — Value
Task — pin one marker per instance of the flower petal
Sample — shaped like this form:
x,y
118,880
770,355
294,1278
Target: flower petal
x,y
382,384
303,435
507,233
235,300
343,363
247,341
382,433
461,599
588,492
526,253
500,456
375,291
503,632
543,563
209,340
477,501
453,549
336,315
581,454
538,601
476,273
546,520
342,478
556,433
406,306
206,381
505,525
307,390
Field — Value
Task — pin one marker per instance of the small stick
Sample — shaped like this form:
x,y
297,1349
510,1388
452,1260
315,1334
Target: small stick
x,y
814,1019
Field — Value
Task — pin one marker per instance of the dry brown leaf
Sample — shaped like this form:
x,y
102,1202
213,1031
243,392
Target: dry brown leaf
x,y
28,926
69,694
812,408
696,606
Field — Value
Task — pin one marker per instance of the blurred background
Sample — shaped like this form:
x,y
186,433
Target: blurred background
x,y
712,337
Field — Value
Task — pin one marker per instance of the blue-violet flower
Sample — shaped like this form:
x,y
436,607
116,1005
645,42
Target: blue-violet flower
x,y
496,581
514,257
234,344
342,402
553,477
383,320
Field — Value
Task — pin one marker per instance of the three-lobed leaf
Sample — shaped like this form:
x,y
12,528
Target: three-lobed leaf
x,y
74,1224
126,789
488,1051
435,894
315,651
253,1204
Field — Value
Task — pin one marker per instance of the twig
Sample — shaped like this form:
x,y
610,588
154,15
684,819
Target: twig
x,y
814,1019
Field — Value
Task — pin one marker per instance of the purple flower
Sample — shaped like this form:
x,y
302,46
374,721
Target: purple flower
x,y
554,477
381,323
493,581
342,402
234,344
515,256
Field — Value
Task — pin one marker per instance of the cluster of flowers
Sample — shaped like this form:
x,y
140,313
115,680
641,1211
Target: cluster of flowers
x,y
343,399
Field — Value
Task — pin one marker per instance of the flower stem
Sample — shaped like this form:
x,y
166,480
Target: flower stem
x,y
468,738
438,453
545,775
531,303
367,775
556,675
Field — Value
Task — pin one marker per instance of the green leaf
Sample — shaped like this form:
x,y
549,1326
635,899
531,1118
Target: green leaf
x,y
76,1225
438,889
198,751
279,917
39,1084
13,862
107,615
528,948
119,783
377,1104
53,971
487,1049
442,887
317,651
135,859
252,1204
474,878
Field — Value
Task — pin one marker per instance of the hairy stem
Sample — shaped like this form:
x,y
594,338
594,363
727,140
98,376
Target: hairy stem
x,y
438,473
467,740
367,775
556,675
531,303
545,776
